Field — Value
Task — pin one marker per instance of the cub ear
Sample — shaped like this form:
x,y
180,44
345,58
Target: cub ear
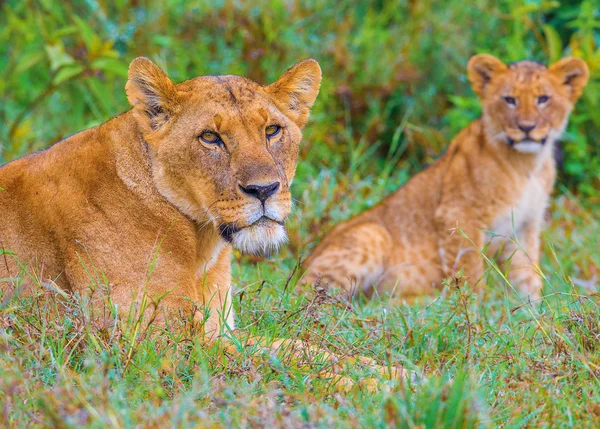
x,y
481,70
296,90
151,94
572,72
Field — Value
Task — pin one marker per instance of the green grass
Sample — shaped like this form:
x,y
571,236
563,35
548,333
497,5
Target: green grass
x,y
481,362
382,113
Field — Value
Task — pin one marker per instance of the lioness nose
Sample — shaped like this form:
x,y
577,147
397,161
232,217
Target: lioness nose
x,y
526,127
260,192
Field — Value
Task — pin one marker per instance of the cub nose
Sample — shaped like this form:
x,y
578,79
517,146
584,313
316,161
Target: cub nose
x,y
526,127
259,191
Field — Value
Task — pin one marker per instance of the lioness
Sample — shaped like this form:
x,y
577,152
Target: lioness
x,y
154,199
490,188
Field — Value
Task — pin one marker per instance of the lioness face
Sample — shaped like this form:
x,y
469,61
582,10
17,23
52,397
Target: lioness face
x,y
224,149
526,105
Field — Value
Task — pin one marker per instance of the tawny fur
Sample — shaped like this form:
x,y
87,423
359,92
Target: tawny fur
x,y
492,185
143,203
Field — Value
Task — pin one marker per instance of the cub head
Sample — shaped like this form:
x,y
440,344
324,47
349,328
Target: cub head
x,y
526,105
224,149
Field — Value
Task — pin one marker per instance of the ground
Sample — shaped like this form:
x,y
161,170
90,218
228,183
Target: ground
x,y
489,361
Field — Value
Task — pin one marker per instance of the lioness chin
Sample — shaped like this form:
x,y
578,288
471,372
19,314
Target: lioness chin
x,y
487,193
155,198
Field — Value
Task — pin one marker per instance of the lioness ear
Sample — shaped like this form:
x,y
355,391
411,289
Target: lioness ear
x,y
151,94
296,90
573,72
481,70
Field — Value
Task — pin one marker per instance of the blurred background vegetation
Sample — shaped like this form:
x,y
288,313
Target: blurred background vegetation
x,y
394,90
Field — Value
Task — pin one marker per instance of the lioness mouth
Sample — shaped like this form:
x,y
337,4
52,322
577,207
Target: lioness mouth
x,y
262,237
228,230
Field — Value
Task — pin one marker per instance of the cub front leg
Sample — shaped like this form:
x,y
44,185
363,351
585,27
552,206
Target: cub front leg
x,y
460,245
522,261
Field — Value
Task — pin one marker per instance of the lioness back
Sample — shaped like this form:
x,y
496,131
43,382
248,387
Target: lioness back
x,y
63,200
490,188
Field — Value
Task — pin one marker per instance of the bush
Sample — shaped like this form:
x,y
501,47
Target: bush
x,y
390,68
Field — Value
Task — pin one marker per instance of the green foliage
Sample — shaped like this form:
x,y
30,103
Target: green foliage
x,y
63,67
438,404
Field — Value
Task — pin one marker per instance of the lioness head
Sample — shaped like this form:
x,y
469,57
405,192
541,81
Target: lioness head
x,y
526,105
224,149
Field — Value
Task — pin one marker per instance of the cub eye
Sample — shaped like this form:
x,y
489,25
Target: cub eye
x,y
210,137
510,100
272,130
542,99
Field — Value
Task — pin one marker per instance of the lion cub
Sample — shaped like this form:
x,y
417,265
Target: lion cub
x,y
491,186
154,199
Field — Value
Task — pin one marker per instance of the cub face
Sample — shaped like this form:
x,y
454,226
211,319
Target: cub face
x,y
224,149
525,104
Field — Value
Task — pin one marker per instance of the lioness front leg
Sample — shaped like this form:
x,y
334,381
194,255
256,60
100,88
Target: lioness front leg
x,y
215,289
321,362
215,285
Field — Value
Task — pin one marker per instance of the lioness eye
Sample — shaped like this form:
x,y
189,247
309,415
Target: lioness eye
x,y
510,100
210,137
272,130
543,99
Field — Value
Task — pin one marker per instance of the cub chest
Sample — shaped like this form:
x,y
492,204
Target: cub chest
x,y
528,207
